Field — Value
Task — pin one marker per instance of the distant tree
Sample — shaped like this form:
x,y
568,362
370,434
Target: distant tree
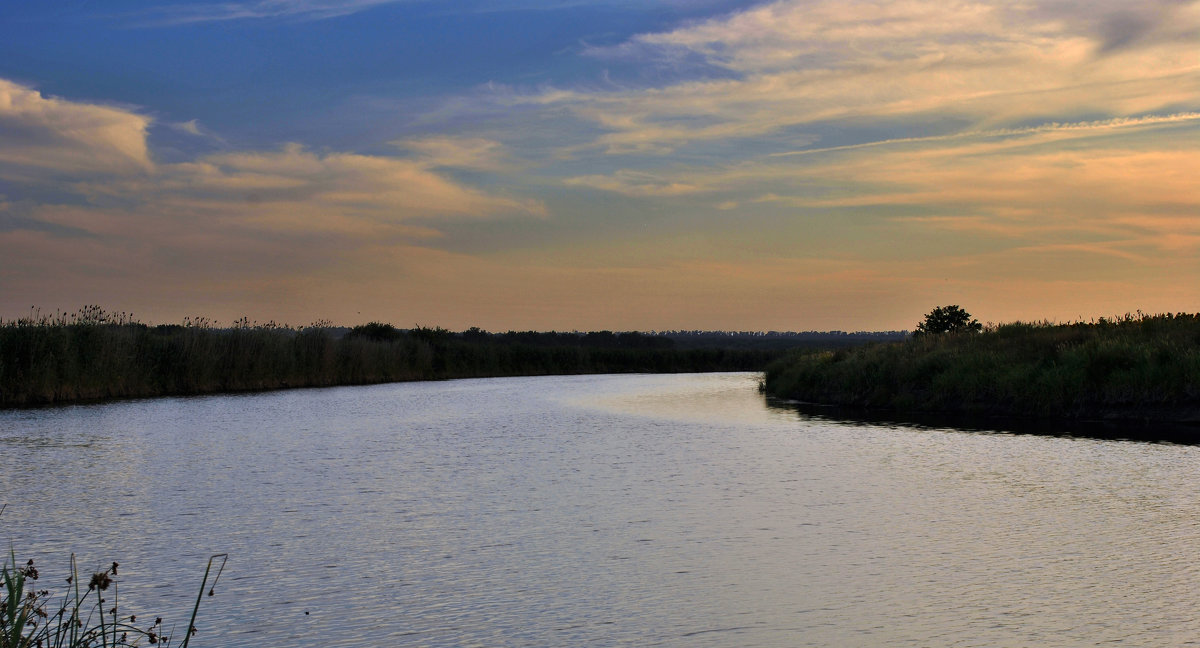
x,y
476,334
947,319
377,331
435,335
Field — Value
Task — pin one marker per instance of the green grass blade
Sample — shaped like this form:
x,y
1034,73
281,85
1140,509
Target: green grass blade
x,y
187,633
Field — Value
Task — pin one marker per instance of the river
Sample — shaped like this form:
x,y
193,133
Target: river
x,y
632,510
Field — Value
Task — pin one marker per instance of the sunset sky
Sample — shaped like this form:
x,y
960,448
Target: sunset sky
x,y
600,164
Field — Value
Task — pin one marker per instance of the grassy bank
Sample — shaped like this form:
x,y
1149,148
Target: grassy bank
x,y
93,354
1134,367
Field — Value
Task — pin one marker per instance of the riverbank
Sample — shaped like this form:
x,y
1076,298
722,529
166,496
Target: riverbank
x,y
93,355
1143,367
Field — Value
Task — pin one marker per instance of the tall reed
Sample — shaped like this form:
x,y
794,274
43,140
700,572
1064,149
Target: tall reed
x,y
30,617
92,354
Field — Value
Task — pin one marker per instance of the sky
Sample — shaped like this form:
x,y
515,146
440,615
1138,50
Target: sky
x,y
600,164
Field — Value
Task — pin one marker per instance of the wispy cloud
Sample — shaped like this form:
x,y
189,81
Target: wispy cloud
x,y
297,188
634,183
182,14
970,64
1110,188
1052,130
457,152
191,127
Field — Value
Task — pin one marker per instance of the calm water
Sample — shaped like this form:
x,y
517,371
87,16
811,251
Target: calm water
x,y
604,510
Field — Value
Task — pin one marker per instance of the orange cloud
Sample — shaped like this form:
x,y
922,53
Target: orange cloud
x,y
40,135
985,64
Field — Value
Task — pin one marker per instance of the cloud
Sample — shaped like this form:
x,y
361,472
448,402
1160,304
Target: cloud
x,y
1117,25
183,14
1119,188
99,154
404,189
93,210
963,64
457,152
786,34
168,15
1053,131
251,228
47,135
191,127
826,148
299,191
881,172
1127,193
634,183
1090,183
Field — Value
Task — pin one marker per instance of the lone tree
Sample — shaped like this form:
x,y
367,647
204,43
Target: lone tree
x,y
948,319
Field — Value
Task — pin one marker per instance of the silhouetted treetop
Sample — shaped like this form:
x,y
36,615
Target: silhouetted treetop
x,y
947,319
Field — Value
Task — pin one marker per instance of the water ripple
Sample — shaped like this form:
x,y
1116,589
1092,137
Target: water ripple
x,y
604,511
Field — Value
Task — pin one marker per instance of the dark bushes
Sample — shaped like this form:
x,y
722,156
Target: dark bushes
x,y
1137,366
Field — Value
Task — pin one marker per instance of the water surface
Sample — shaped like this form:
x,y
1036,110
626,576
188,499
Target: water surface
x,y
637,510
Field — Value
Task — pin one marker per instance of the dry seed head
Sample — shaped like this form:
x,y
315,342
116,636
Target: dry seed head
x,y
100,580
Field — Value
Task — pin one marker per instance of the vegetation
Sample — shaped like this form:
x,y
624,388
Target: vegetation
x,y
94,354
778,340
948,319
1133,367
82,618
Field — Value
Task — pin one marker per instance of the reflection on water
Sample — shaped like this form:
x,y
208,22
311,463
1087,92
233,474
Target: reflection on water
x,y
604,510
1110,430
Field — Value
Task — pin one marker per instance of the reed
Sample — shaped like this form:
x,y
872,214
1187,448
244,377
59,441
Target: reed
x,y
93,354
1136,366
91,617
